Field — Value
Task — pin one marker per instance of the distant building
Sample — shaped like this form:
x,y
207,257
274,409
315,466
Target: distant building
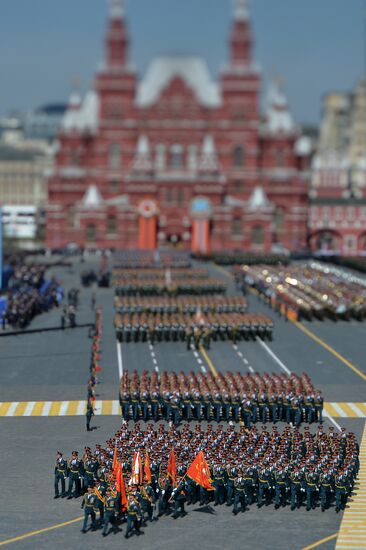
x,y
178,158
337,217
45,122
23,191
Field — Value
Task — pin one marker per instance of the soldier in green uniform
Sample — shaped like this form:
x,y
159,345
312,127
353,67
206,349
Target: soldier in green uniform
x,y
179,498
111,508
75,472
280,480
239,493
89,414
60,475
134,515
147,501
88,505
219,484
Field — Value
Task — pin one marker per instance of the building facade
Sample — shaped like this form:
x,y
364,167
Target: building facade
x,y
176,158
24,170
337,215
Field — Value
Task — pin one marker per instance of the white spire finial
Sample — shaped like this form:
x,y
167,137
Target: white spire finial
x,y
116,9
241,10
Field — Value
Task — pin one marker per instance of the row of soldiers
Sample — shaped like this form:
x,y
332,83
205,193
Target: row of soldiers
x,y
245,467
227,397
187,328
142,259
168,274
183,304
186,285
94,367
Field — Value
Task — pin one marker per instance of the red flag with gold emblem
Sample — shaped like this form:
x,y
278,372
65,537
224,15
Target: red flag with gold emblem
x,y
172,466
147,471
200,472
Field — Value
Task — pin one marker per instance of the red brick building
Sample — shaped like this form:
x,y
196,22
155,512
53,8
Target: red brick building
x,y
178,158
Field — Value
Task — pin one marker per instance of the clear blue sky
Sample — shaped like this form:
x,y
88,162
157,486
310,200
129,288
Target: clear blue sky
x,y
315,45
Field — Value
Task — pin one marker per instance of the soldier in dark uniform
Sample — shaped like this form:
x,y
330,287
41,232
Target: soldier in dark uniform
x,y
111,508
239,493
326,487
219,484
179,498
296,486
88,505
147,501
89,414
341,490
134,515
75,472
60,475
311,480
280,480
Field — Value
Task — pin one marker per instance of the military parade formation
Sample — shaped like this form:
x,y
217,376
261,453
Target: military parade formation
x,y
229,397
192,438
143,474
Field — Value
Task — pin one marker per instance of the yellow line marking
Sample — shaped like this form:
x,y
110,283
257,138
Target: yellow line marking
x,y
19,411
4,408
72,408
55,408
40,531
329,348
208,361
353,520
320,542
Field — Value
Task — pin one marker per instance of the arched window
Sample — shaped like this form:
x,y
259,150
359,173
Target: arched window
x,y
236,226
238,156
257,235
91,233
114,154
111,224
176,156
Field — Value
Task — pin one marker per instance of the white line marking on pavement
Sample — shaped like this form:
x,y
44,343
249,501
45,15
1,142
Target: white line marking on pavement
x,y
63,408
331,419
46,408
203,368
154,361
11,409
156,368
274,356
119,358
199,360
251,370
29,408
240,353
339,410
356,410
115,407
81,408
246,361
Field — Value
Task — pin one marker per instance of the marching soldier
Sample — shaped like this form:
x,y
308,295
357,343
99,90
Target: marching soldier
x,y
179,498
239,493
134,516
111,508
88,505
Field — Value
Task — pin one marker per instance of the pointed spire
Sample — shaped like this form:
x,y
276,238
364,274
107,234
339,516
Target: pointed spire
x,y
241,38
117,36
116,9
241,10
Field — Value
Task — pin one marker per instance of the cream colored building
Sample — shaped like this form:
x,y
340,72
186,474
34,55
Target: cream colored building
x,y
24,167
